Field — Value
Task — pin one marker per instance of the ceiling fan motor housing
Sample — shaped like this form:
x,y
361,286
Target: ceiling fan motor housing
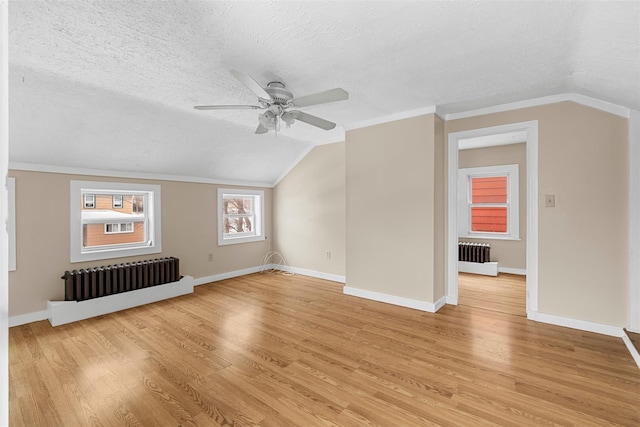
x,y
279,93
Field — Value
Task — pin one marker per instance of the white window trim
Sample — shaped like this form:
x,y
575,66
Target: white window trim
x,y
464,201
11,222
258,235
154,244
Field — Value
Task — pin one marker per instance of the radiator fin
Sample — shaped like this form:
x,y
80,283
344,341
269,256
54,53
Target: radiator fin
x,y
88,283
474,252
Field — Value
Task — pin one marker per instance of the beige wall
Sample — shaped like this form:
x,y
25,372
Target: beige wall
x,y
583,241
390,189
309,211
508,253
189,220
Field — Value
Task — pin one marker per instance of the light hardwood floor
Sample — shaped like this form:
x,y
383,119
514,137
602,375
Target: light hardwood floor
x,y
271,350
505,293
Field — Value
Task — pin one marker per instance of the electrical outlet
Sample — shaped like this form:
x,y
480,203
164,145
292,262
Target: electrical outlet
x,y
328,255
210,257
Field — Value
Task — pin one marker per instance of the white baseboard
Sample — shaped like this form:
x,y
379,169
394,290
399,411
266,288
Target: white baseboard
x,y
312,273
582,325
632,349
518,271
228,275
23,319
395,300
485,268
62,312
440,303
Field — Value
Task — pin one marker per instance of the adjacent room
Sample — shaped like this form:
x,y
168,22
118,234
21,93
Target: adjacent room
x,y
327,213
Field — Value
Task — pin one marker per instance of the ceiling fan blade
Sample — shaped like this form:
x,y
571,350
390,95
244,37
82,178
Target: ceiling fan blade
x,y
314,121
227,107
253,85
261,129
331,95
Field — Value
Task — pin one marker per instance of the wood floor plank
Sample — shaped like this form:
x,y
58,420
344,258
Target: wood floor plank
x,y
272,350
505,293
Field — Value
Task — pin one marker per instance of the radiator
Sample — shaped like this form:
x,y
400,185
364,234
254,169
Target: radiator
x,y
88,283
474,252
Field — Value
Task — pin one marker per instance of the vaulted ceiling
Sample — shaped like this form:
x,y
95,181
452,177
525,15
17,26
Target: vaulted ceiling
x,y
111,85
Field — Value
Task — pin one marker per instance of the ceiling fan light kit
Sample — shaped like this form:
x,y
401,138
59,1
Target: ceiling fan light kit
x,y
278,101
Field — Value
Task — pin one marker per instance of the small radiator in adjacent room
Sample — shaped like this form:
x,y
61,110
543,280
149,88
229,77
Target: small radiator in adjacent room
x,y
476,258
474,252
88,283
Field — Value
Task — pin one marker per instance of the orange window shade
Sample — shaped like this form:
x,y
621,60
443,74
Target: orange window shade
x,y
489,190
491,220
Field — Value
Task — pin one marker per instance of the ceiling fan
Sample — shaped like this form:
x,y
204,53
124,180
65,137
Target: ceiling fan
x,y
279,102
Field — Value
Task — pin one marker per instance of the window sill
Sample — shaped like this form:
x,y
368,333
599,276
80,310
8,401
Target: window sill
x,y
237,240
115,253
490,237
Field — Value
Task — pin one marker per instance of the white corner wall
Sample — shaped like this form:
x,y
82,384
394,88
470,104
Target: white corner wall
x,y
634,221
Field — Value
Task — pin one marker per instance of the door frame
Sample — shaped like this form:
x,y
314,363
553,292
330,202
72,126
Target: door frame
x,y
530,129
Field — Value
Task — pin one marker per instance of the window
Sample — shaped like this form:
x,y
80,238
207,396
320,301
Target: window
x,y
119,220
116,202
488,202
89,201
241,216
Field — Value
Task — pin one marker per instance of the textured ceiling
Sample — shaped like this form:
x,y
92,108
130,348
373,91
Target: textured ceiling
x,y
111,85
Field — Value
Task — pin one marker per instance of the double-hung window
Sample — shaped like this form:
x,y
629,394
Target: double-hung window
x,y
488,202
112,220
240,216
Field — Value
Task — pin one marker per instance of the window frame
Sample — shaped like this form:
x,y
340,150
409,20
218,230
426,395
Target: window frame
x,y
258,223
511,172
153,213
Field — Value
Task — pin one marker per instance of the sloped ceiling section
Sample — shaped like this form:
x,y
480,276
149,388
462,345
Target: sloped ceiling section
x,y
111,85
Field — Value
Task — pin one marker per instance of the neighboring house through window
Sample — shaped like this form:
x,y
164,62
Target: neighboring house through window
x,y
488,202
119,227
240,216
111,220
117,201
89,201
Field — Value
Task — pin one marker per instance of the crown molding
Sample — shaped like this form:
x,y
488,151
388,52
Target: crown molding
x,y
36,167
598,104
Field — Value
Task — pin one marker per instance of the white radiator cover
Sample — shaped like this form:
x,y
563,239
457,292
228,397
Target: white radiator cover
x,y
62,312
485,268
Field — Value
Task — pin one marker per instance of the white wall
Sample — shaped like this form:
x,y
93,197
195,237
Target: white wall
x,y
634,221
4,244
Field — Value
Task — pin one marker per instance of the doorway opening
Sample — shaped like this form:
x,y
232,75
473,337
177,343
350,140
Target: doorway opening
x,y
527,133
